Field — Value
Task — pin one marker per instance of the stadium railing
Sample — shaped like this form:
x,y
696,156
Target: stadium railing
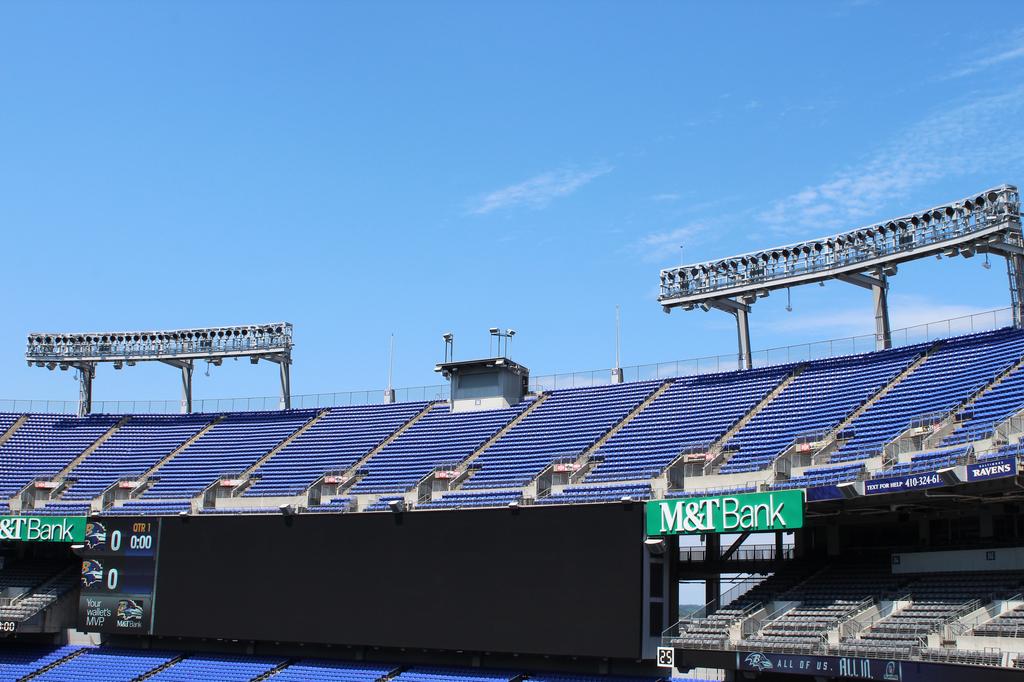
x,y
816,350
851,345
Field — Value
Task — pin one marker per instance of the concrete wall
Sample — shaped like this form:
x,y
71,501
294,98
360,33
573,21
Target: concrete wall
x,y
1002,559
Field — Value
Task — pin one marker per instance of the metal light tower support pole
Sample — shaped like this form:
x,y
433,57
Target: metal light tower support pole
x,y
743,337
186,368
883,331
389,392
1015,273
286,381
86,373
741,312
878,283
1013,250
617,370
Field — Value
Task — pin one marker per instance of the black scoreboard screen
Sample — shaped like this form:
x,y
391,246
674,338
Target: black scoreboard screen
x,y
119,561
541,580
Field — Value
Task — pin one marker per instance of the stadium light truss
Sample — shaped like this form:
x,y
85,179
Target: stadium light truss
x,y
180,348
987,222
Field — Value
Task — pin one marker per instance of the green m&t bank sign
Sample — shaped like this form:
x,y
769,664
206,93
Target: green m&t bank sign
x,y
755,512
43,528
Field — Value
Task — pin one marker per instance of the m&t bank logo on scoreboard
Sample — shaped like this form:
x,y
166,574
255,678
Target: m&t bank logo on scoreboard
x,y
775,510
43,528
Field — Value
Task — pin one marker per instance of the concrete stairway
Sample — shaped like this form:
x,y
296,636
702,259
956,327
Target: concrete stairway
x,y
831,441
719,456
464,472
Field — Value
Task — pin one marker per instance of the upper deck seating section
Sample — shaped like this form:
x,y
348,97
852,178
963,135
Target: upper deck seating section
x,y
824,394
819,476
227,449
45,444
440,438
132,451
692,413
926,462
981,418
954,372
7,420
337,441
562,427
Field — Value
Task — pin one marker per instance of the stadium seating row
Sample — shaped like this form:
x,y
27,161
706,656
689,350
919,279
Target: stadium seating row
x,y
860,608
859,403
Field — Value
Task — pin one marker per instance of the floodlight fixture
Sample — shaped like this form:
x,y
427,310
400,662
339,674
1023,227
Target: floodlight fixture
x,y
501,336
866,256
449,346
179,348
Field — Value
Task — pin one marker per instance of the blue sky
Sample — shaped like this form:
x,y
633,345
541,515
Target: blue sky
x,y
367,168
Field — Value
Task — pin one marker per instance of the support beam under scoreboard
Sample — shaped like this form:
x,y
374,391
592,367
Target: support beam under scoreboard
x,y
713,580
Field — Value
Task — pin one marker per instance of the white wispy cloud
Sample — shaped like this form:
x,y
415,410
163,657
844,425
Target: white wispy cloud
x,y
1012,49
976,137
540,190
664,246
957,141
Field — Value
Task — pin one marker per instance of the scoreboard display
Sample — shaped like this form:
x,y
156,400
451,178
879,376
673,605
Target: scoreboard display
x,y
119,560
547,580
